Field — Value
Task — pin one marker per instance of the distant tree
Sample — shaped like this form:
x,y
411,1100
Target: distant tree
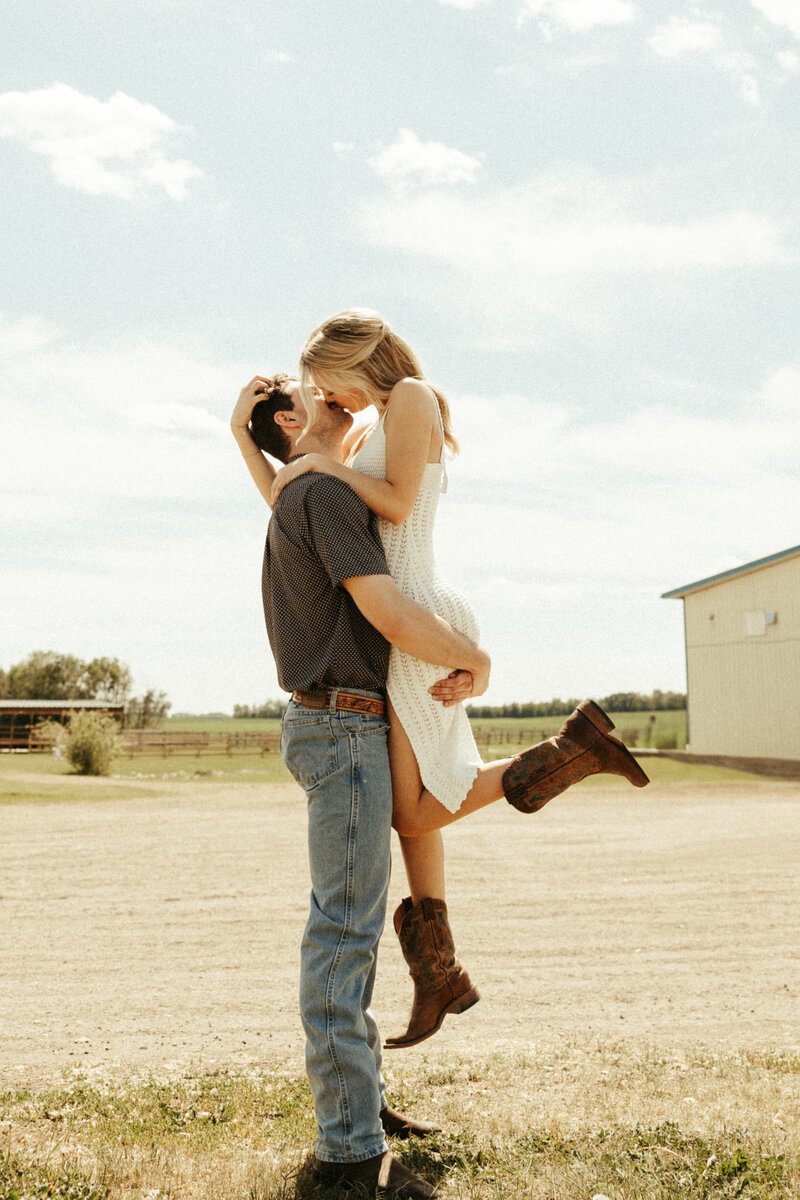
x,y
106,679
147,711
46,675
616,702
625,702
3,684
270,708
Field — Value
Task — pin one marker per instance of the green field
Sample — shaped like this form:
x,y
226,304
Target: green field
x,y
640,722
508,735
636,728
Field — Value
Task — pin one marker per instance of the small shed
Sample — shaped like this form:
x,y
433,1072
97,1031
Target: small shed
x,y
743,659
19,718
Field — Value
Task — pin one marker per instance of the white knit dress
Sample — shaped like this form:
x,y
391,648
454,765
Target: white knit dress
x,y
441,737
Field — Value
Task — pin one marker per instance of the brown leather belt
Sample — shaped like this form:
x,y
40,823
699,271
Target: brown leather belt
x,y
345,701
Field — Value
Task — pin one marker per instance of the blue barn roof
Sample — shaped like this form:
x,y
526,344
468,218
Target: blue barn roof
x,y
678,593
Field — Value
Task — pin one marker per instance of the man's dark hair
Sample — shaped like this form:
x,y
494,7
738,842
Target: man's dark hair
x,y
267,435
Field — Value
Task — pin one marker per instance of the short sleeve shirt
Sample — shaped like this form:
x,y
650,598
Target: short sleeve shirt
x,y
320,533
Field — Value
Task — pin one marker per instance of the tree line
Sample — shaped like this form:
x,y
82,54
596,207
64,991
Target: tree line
x,y
617,702
270,708
46,675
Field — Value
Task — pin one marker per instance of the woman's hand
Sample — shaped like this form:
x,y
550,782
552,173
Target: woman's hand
x,y
301,466
456,688
249,397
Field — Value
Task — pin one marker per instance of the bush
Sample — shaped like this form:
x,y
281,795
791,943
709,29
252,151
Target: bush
x,y
667,741
91,742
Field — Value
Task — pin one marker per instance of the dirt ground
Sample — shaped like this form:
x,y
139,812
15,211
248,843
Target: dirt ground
x,y
164,931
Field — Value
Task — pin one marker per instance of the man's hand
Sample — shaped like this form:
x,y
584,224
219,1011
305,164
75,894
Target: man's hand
x,y
249,397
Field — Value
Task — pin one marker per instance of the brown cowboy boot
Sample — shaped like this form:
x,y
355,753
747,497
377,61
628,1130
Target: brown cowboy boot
x,y
583,746
441,985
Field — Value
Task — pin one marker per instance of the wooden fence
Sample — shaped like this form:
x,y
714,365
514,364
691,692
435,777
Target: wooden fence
x,y
510,736
163,742
152,741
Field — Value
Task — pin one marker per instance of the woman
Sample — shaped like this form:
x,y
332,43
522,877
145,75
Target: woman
x,y
356,360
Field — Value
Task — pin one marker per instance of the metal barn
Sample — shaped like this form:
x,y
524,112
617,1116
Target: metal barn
x,y
743,659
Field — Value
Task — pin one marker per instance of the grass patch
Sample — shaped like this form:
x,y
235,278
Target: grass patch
x,y
199,768
268,768
63,789
566,1122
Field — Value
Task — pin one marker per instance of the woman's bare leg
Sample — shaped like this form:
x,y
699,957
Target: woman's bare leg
x,y
424,862
441,984
416,812
423,856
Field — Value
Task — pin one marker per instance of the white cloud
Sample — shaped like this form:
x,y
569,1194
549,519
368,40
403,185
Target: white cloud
x,y
721,481
783,13
426,163
279,56
788,61
117,147
25,335
683,35
127,424
565,225
581,518
464,4
750,90
582,15
183,420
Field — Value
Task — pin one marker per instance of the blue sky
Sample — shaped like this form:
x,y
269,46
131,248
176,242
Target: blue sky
x,y
581,213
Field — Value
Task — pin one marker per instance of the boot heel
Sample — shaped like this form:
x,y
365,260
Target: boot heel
x,y
466,1001
594,713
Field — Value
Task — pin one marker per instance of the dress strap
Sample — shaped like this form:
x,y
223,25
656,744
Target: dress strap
x,y
441,456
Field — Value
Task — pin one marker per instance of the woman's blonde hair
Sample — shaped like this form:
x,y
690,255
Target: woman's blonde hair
x,y
358,352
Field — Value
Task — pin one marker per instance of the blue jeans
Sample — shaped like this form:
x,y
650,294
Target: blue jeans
x,y
341,760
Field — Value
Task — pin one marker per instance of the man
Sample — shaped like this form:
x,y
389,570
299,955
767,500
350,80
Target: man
x,y
332,611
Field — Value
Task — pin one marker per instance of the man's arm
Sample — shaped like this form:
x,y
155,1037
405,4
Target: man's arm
x,y
416,629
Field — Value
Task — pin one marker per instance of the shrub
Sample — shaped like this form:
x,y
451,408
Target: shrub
x,y
52,736
91,742
667,741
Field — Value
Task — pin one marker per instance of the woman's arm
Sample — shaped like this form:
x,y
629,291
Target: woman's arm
x,y
409,423
259,465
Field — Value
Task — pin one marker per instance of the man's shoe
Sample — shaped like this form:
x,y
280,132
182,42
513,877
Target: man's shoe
x,y
396,1125
383,1172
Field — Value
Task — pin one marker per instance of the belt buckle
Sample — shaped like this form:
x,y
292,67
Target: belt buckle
x,y
316,699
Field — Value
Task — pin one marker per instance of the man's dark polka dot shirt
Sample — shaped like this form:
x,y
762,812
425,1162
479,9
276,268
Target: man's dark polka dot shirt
x,y
320,533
